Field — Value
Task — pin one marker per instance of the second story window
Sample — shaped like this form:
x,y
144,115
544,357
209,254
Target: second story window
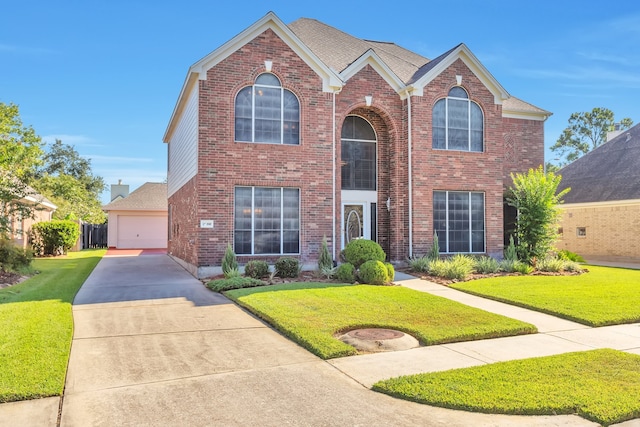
x,y
268,113
458,123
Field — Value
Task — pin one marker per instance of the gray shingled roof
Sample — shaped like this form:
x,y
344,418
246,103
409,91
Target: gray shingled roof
x,y
150,196
609,172
338,50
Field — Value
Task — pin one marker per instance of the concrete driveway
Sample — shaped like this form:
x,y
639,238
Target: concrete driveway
x,y
153,347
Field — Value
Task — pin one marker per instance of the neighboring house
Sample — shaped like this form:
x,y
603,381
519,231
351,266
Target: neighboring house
x,y
43,209
601,213
138,220
289,133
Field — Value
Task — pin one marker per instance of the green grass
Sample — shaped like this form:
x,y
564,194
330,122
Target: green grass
x,y
36,326
311,313
599,385
603,296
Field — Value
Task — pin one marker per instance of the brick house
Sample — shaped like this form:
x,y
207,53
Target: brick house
x,y
290,133
601,214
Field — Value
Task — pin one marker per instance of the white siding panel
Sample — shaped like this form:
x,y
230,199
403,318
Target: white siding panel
x,y
183,146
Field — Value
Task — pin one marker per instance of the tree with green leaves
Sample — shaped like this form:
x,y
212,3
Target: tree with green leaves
x,y
20,154
66,178
535,196
586,131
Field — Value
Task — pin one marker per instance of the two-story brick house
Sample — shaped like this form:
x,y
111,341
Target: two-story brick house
x,y
290,133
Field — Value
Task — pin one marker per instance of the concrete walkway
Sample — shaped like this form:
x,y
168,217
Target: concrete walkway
x,y
555,336
152,346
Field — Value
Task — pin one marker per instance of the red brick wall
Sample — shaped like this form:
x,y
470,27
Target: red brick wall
x,y
183,223
524,146
224,164
456,170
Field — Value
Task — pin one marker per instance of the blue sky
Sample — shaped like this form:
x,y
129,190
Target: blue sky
x,y
104,76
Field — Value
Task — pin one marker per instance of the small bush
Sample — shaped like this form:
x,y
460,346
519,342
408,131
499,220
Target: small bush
x,y
391,271
438,267
229,261
486,265
421,264
325,260
54,237
570,256
511,253
359,251
459,267
13,258
234,283
523,268
234,272
373,273
553,265
256,269
434,253
573,267
328,272
346,273
509,265
287,267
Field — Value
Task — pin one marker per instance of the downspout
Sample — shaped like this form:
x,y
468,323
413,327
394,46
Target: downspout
x,y
333,216
410,171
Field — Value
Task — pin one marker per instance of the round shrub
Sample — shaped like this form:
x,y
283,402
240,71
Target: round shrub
x,y
374,273
359,251
390,271
287,267
256,269
346,273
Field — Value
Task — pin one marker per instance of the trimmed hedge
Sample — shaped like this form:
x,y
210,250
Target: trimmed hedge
x,y
359,251
54,237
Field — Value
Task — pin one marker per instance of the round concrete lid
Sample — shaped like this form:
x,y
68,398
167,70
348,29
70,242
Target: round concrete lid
x,y
378,340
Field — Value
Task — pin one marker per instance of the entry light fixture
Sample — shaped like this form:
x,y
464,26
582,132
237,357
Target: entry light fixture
x,y
368,100
388,204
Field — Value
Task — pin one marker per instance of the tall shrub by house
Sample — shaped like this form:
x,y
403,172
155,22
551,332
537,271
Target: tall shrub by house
x,y
535,195
325,261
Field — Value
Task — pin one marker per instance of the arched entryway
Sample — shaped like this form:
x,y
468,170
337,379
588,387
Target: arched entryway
x,y
359,182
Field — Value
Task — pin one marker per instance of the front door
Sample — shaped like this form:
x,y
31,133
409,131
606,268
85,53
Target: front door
x,y
359,220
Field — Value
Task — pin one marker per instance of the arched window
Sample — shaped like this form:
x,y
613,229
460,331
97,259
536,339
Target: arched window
x,y
458,123
358,154
266,112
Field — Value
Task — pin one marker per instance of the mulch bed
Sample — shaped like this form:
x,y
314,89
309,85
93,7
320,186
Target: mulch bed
x,y
8,279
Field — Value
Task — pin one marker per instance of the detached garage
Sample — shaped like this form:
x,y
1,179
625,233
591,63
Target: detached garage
x,y
139,220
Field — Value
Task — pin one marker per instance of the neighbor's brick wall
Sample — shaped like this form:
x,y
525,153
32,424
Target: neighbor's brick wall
x,y
224,164
457,170
612,231
523,146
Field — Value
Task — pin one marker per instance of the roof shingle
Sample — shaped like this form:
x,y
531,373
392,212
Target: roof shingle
x,y
150,196
609,172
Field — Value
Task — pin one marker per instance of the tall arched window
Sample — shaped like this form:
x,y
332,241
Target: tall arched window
x,y
458,123
358,154
266,112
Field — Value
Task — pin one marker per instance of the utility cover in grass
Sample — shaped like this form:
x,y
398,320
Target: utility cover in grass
x,y
599,385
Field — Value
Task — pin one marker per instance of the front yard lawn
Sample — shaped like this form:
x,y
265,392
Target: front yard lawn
x,y
311,313
603,296
599,385
36,326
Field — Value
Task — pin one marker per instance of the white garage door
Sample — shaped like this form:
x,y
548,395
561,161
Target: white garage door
x,y
142,232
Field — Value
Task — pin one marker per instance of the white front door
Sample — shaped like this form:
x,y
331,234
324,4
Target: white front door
x,y
358,216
